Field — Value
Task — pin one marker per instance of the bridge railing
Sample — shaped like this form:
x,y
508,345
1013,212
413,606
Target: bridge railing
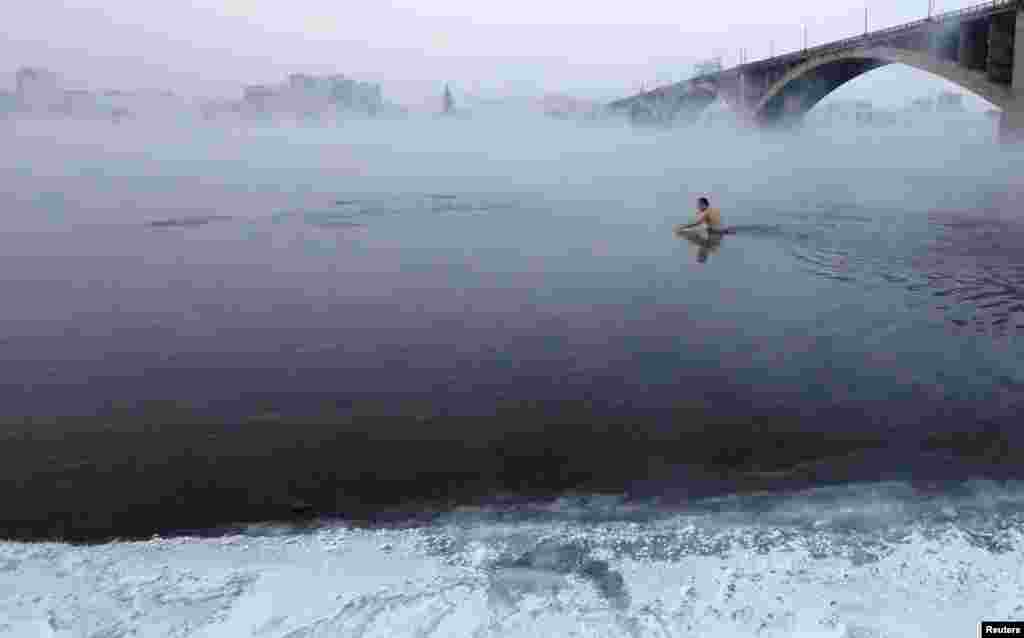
x,y
859,40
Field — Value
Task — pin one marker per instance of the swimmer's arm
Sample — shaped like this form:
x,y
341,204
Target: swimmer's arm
x,y
700,220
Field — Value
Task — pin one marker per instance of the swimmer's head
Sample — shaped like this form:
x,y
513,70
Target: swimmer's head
x,y
703,203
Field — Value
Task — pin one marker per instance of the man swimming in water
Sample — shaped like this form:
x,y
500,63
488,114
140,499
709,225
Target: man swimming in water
x,y
711,217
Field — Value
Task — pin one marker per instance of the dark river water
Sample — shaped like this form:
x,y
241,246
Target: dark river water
x,y
200,327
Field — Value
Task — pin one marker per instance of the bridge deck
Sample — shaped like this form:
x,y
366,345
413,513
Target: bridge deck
x,y
868,39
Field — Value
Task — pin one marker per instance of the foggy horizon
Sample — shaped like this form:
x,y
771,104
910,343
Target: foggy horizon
x,y
212,50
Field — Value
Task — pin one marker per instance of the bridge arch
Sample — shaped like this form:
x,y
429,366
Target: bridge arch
x,y
804,85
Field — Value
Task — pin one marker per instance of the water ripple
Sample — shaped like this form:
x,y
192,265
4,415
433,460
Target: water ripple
x,y
187,222
968,263
355,213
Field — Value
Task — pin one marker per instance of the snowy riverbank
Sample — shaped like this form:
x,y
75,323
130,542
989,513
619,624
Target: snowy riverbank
x,y
873,560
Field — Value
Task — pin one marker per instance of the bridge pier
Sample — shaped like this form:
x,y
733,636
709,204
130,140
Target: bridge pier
x,y
1001,34
973,49
1011,122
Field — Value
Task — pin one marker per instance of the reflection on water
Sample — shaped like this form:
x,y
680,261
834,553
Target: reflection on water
x,y
704,243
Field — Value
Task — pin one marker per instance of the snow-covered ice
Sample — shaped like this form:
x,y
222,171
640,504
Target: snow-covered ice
x,y
845,562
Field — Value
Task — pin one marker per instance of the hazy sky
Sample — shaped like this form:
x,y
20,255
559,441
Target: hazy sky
x,y
593,49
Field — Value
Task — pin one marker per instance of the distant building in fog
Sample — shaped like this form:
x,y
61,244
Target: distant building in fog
x,y
448,102
947,106
145,103
835,111
309,96
81,103
949,102
42,91
300,95
215,109
39,89
8,102
258,99
301,82
563,106
922,105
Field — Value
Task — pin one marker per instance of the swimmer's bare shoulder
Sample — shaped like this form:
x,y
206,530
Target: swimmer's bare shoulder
x,y
710,218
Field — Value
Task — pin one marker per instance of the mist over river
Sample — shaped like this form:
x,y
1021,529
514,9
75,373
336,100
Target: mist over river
x,y
425,335
389,312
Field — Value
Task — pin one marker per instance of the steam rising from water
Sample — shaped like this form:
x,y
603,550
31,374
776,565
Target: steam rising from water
x,y
845,199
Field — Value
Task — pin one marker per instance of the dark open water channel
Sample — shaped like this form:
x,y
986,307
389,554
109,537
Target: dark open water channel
x,y
216,328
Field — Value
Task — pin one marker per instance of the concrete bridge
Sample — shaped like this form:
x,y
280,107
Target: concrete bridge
x,y
980,48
